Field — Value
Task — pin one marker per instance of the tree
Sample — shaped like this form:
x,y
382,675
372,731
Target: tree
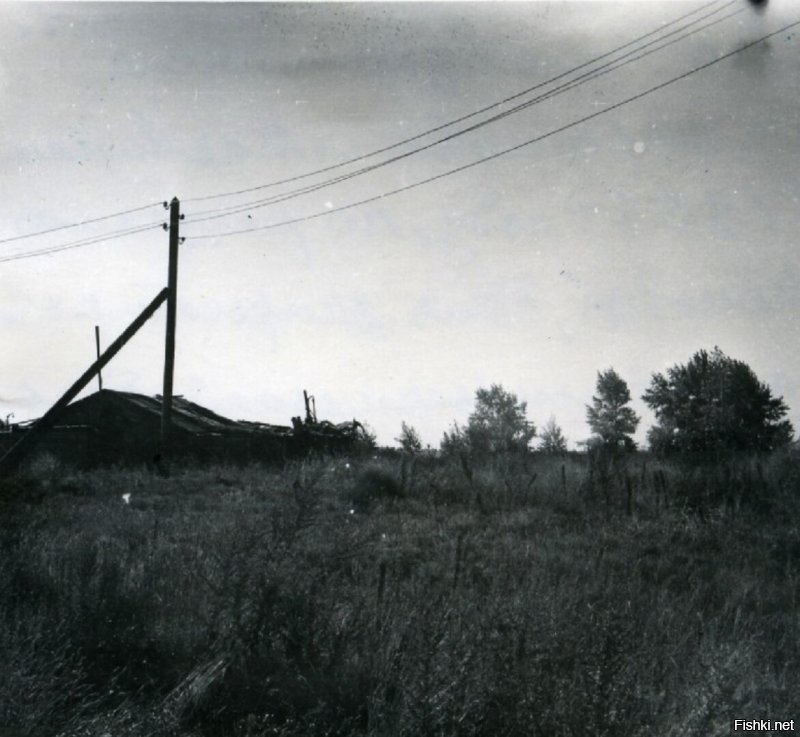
x,y
499,424
715,404
612,422
409,439
454,441
552,438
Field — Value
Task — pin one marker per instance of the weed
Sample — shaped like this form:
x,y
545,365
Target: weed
x,y
464,597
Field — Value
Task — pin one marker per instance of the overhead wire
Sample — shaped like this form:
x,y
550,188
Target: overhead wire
x,y
463,118
504,152
88,241
593,74
283,197
224,212
78,224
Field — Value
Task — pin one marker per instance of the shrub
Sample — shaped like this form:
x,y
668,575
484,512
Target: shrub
x,y
372,484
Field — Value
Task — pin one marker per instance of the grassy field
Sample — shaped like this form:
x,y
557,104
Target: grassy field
x,y
379,597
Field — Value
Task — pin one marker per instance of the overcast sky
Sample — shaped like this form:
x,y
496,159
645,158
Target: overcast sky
x,y
632,239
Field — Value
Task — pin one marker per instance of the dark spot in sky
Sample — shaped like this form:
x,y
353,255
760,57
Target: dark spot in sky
x,y
759,5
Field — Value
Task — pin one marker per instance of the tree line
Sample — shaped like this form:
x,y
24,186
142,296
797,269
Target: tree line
x,y
711,406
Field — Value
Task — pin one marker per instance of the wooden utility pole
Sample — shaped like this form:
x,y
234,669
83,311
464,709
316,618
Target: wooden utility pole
x,y
97,345
169,345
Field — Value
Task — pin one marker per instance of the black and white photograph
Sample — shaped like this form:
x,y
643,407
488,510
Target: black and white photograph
x,y
400,369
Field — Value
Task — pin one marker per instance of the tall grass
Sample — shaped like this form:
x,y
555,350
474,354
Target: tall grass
x,y
435,597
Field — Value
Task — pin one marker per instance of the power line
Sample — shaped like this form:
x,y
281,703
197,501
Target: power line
x,y
606,68
506,151
80,243
280,198
592,74
235,209
464,117
79,223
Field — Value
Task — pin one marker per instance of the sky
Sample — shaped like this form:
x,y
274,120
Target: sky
x,y
610,234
